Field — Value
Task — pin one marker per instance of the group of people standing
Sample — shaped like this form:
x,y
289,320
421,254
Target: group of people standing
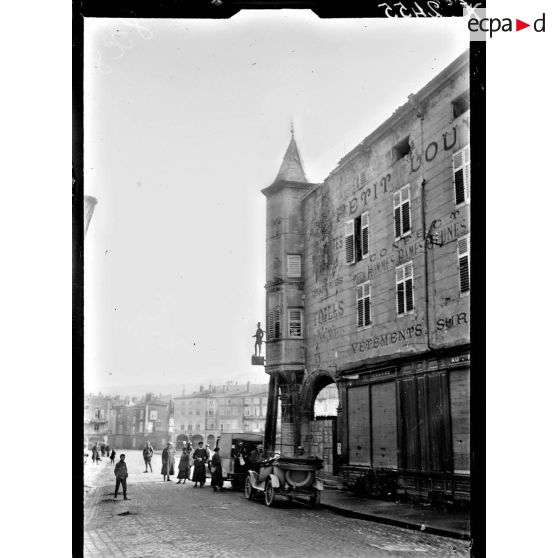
x,y
199,458
97,451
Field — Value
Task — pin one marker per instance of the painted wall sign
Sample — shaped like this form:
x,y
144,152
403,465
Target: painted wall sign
x,y
329,313
451,322
391,338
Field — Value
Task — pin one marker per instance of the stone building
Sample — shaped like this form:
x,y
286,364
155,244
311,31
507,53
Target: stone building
x,y
137,422
96,418
367,288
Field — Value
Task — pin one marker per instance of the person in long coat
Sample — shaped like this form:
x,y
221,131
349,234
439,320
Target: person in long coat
x,y
184,465
200,459
216,471
167,458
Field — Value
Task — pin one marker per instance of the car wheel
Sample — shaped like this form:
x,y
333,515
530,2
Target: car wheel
x,y
269,493
248,490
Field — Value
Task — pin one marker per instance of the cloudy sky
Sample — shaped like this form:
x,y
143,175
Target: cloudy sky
x,y
185,122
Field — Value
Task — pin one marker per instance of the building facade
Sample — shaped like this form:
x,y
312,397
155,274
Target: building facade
x,y
96,418
202,416
150,419
368,287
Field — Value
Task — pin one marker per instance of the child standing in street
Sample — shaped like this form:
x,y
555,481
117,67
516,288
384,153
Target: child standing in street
x,y
121,474
112,456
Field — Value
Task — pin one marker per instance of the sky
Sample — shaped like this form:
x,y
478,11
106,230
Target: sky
x,y
185,122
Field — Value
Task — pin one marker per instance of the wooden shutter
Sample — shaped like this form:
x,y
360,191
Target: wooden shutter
x,y
360,306
400,290
463,257
384,426
397,213
294,265
405,210
277,323
462,175
366,296
364,236
350,242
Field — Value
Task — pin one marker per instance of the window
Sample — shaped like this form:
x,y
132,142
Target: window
x,y
295,322
464,266
363,304
404,286
274,323
247,412
247,401
152,415
182,427
256,400
402,211
401,149
96,427
198,427
142,414
247,427
357,239
141,426
294,265
149,427
462,175
221,427
256,411
460,104
228,411
210,412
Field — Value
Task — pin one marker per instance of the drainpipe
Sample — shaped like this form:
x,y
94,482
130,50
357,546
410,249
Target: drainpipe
x,y
424,231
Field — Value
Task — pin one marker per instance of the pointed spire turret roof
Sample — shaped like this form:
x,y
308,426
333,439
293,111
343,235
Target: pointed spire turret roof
x,y
291,167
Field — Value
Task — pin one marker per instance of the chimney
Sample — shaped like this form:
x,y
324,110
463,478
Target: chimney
x,y
248,386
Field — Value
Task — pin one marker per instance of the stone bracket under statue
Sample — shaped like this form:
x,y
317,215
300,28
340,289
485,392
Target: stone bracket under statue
x,y
258,360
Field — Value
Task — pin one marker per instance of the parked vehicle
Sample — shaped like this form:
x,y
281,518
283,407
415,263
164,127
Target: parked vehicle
x,y
289,477
235,448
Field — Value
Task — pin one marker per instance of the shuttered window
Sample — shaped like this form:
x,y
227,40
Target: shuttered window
x,y
357,238
464,265
363,304
364,238
404,288
295,322
402,211
294,265
462,175
274,323
350,242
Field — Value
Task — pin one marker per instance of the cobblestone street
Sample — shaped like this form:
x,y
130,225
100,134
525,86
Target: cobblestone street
x,y
186,521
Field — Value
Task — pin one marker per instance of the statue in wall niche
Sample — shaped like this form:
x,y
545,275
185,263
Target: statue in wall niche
x,y
259,340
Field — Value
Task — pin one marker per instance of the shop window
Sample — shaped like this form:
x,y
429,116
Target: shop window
x,y
401,149
363,304
294,265
402,212
464,265
460,104
357,238
404,288
295,322
462,175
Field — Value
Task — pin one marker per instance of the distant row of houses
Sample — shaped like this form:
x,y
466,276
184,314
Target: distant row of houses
x,y
127,423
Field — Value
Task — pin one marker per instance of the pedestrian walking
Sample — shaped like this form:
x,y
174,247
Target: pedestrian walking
x,y
103,448
216,471
184,465
121,474
200,459
147,455
168,462
112,456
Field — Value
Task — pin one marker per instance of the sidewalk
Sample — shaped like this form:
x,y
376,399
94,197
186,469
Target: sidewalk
x,y
447,524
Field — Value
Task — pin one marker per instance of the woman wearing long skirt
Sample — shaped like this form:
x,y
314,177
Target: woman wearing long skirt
x,y
184,465
216,471
167,458
200,459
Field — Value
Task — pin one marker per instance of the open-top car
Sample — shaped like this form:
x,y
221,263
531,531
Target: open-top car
x,y
289,477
